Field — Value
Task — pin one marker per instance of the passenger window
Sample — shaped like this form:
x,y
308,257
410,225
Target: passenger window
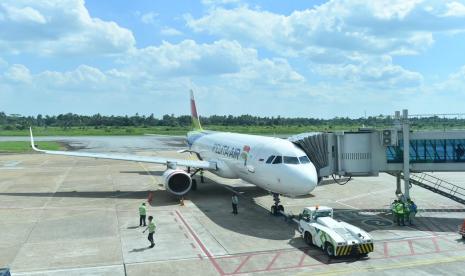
x,y
278,160
270,159
304,160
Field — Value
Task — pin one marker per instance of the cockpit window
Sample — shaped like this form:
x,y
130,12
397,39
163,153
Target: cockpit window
x,y
291,160
304,160
278,160
270,159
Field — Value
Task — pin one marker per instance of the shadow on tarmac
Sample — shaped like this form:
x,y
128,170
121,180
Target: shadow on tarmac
x,y
139,249
154,173
380,219
214,200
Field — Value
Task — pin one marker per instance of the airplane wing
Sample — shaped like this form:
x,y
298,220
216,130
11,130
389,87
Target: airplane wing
x,y
128,157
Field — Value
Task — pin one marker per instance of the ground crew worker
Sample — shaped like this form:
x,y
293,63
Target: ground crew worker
x,y
234,201
400,213
151,228
201,177
393,210
413,211
142,213
407,211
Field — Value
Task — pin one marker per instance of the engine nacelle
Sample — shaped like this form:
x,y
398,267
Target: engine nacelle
x,y
177,182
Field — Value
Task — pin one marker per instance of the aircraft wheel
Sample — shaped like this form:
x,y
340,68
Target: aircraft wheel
x,y
308,238
274,211
329,249
194,185
281,208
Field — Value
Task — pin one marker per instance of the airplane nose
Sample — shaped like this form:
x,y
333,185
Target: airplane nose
x,y
308,179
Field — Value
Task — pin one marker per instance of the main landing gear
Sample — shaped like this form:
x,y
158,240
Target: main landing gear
x,y
277,208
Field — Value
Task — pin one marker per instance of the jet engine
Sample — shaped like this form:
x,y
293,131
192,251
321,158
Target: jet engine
x,y
177,182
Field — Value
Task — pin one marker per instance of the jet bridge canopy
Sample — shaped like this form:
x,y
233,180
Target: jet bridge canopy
x,y
368,152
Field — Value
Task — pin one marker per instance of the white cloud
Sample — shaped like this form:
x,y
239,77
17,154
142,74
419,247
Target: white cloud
x,y
26,14
219,2
374,27
149,17
220,58
343,38
18,73
3,63
167,31
377,72
455,9
58,27
167,70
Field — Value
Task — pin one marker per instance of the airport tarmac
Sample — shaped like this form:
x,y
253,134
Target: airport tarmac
x,y
78,216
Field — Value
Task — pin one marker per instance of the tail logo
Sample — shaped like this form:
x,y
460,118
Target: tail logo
x,y
195,117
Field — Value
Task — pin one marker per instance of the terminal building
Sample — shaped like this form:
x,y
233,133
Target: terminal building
x,y
368,152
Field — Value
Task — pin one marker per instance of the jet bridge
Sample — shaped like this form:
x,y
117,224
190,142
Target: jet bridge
x,y
368,152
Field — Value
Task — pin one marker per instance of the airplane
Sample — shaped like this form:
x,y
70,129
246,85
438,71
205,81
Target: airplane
x,y
274,164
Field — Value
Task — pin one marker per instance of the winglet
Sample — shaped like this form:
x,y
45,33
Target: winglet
x,y
195,117
32,141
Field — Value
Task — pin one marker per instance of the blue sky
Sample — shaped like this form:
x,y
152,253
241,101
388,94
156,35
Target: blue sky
x,y
267,58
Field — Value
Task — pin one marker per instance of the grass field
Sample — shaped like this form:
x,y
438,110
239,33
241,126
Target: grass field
x,y
90,131
25,146
165,130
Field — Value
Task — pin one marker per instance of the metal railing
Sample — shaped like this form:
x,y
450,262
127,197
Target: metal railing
x,y
444,187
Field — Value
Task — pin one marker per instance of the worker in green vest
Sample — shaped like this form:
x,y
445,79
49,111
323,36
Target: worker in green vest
x,y
202,180
142,213
407,211
151,228
393,210
399,207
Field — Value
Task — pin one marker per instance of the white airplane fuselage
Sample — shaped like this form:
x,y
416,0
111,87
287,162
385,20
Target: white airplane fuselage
x,y
245,157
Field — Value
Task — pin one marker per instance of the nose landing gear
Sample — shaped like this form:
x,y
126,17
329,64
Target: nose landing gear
x,y
277,208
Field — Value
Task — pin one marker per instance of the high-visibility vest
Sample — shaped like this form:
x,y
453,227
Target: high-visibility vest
x,y
399,208
407,207
142,210
151,227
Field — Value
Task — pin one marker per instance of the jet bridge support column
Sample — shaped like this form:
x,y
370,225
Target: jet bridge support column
x,y
398,188
406,142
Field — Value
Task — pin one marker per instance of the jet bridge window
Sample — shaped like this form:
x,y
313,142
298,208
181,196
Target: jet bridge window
x,y
278,160
270,159
304,160
291,160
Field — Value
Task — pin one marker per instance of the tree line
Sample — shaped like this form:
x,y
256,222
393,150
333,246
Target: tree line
x,y
19,122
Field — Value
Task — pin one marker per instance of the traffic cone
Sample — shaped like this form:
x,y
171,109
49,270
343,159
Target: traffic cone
x,y
149,199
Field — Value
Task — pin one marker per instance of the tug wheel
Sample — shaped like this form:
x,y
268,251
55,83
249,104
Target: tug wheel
x,y
329,249
308,238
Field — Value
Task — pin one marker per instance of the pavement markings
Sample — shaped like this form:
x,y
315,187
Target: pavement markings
x,y
408,264
154,180
200,244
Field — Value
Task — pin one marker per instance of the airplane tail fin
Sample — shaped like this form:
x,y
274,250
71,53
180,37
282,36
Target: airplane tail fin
x,y
195,117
